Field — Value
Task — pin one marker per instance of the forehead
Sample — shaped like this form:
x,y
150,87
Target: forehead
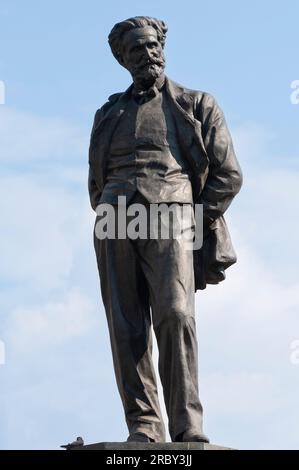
x,y
139,36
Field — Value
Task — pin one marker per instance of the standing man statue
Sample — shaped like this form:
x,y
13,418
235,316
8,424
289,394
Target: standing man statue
x,y
159,142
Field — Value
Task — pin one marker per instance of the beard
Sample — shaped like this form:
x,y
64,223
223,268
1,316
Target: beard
x,y
147,72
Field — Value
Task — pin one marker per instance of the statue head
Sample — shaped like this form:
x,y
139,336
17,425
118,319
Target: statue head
x,y
137,44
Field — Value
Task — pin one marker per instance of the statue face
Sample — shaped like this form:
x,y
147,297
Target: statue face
x,y
143,54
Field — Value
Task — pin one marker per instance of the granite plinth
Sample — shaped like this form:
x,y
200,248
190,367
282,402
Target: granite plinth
x,y
152,446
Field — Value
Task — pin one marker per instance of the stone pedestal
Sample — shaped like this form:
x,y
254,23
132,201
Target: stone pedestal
x,y
153,446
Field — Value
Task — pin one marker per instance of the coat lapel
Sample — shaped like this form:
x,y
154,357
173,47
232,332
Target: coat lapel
x,y
189,132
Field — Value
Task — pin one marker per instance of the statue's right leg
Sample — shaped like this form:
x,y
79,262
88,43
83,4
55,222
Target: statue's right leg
x,y
126,300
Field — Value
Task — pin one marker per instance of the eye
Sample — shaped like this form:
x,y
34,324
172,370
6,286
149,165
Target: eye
x,y
135,48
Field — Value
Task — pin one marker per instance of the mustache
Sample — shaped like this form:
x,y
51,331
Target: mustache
x,y
150,61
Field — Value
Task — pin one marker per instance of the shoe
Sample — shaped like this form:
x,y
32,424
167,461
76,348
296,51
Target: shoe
x,y
185,437
139,437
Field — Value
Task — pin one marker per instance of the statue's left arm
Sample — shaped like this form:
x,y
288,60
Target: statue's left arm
x,y
225,177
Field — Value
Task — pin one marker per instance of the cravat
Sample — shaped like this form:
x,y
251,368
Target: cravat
x,y
145,95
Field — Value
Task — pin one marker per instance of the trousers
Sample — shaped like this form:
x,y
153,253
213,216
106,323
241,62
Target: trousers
x,y
148,284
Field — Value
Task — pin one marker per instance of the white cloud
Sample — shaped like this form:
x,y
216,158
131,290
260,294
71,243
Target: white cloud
x,y
2,92
2,352
237,394
30,329
44,205
252,142
42,224
27,138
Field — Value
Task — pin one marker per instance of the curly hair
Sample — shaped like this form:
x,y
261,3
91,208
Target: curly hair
x,y
116,35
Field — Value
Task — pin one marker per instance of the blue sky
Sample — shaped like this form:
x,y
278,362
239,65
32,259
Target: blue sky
x,y
57,381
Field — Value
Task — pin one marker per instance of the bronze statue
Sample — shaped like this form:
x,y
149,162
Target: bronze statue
x,y
159,142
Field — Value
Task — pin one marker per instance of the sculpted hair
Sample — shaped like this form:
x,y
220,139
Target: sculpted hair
x,y
116,35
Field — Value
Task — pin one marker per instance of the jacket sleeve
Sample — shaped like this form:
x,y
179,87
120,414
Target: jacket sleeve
x,y
94,193
225,177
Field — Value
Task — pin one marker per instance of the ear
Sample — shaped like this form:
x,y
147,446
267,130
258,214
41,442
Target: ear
x,y
122,62
118,56
120,59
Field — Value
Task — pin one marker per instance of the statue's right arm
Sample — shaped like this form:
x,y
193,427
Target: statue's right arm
x,y
94,192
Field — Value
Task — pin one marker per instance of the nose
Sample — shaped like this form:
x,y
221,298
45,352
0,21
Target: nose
x,y
148,52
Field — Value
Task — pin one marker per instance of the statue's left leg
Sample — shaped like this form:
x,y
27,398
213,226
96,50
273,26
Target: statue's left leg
x,y
168,267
